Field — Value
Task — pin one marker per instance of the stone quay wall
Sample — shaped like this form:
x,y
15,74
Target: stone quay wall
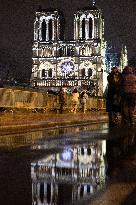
x,y
18,98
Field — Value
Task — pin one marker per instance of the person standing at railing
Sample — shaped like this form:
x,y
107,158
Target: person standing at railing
x,y
113,96
61,96
83,100
128,96
75,100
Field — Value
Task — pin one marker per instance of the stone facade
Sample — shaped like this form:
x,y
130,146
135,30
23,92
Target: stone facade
x,y
76,63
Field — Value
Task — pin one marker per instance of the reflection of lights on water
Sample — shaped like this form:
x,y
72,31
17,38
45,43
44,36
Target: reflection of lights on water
x,y
104,147
66,155
63,168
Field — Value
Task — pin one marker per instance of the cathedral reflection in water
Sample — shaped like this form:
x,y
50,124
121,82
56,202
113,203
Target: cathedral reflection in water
x,y
69,176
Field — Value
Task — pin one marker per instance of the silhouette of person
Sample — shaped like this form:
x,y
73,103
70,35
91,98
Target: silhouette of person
x,y
75,100
61,95
113,98
128,95
83,101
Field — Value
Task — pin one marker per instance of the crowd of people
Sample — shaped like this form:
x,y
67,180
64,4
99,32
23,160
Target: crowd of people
x,y
121,96
76,99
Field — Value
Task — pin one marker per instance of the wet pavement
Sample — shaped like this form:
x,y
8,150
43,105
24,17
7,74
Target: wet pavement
x,y
86,164
20,122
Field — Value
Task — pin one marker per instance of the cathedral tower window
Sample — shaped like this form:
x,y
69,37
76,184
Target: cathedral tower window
x,y
44,30
90,27
83,28
50,73
50,29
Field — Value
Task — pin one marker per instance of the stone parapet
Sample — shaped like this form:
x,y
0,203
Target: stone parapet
x,y
13,98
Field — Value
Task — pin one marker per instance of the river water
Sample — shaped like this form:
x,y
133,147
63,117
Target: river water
x,y
62,166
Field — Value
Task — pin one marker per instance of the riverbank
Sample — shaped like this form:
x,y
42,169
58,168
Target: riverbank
x,y
27,121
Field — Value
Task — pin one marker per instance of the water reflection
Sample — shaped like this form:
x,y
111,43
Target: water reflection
x,y
70,175
118,148
64,166
23,139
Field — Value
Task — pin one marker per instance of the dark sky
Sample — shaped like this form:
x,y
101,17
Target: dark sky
x,y
16,28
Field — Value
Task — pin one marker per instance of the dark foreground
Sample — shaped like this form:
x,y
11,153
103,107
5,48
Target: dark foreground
x,y
85,164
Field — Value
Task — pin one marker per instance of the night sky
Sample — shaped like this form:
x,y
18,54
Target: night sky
x,y
16,29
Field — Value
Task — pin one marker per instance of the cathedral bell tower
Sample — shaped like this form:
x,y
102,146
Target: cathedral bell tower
x,y
89,24
47,26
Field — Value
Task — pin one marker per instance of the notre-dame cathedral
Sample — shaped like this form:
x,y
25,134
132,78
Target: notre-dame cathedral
x,y
79,62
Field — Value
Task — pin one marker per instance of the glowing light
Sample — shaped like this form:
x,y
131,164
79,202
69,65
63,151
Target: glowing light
x,y
67,155
67,67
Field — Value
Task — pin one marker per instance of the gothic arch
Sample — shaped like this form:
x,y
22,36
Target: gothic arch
x,y
82,16
46,67
90,18
89,69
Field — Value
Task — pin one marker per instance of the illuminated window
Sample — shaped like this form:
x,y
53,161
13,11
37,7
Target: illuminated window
x,y
83,28
44,30
90,27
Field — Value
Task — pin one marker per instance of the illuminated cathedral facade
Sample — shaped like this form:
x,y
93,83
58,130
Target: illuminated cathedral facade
x,y
75,63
